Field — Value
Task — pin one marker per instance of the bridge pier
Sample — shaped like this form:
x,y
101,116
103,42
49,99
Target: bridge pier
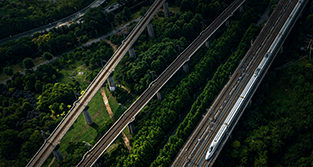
x,y
227,23
207,43
112,85
249,104
87,116
186,67
57,154
166,9
241,9
97,164
150,30
179,48
132,53
131,128
159,95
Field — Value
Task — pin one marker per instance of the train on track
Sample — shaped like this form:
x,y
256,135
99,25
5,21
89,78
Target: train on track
x,y
256,77
238,106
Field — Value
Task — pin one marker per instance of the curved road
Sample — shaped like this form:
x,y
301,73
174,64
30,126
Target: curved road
x,y
54,139
85,44
62,21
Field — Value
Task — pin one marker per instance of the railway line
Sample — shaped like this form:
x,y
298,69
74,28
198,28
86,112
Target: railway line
x,y
54,139
92,155
194,150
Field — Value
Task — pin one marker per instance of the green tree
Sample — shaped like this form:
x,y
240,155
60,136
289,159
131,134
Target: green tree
x,y
28,63
8,71
47,56
126,13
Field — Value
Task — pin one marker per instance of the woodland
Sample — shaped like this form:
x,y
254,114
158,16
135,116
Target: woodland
x,y
279,123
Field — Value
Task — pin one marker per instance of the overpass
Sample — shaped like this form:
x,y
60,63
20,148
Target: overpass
x,y
127,117
245,79
81,105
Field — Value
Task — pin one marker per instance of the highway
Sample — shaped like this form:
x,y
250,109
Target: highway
x,y
194,150
54,139
128,116
57,23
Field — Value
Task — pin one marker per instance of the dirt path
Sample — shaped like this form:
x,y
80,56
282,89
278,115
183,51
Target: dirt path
x,y
106,102
123,87
107,105
112,45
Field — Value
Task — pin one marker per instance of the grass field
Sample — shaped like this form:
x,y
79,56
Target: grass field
x,y
72,72
80,131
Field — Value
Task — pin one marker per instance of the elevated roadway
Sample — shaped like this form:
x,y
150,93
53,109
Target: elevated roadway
x,y
93,154
194,150
54,139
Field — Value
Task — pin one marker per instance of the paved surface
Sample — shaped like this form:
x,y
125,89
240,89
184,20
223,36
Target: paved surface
x,y
54,139
128,116
61,22
193,152
86,44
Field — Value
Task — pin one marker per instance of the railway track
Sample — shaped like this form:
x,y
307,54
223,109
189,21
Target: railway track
x,y
92,155
54,139
187,156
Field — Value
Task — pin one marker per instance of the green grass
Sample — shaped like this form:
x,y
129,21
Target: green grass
x,y
72,72
111,2
176,9
115,106
135,15
49,159
112,147
80,131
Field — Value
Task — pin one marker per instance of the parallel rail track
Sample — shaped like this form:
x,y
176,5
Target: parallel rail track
x,y
54,139
92,155
194,150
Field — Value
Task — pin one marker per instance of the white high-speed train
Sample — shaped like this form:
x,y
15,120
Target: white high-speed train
x,y
250,86
237,107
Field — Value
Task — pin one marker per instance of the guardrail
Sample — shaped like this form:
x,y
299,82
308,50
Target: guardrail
x,y
50,25
114,56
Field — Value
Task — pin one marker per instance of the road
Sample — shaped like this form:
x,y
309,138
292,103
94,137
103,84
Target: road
x,y
194,150
85,44
93,154
60,22
54,139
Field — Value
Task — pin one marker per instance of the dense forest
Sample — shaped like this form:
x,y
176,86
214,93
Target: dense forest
x,y
21,15
277,129
156,121
38,101
32,105
57,40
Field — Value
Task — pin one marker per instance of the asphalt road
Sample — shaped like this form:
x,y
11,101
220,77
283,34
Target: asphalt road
x,y
85,44
63,21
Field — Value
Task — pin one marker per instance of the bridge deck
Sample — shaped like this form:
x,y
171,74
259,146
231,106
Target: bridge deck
x,y
193,152
92,155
